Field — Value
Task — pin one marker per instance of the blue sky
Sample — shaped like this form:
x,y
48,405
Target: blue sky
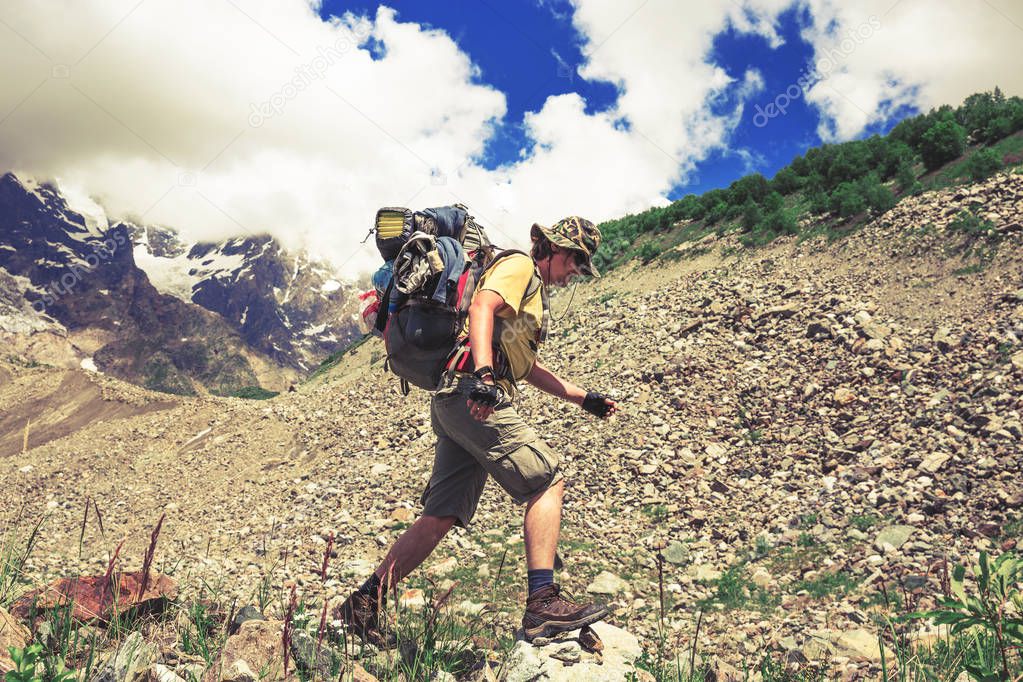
x,y
531,50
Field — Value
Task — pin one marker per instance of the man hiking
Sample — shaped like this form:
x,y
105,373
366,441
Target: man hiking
x,y
479,433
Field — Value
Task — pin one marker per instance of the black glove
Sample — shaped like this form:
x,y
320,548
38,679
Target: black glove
x,y
596,404
479,392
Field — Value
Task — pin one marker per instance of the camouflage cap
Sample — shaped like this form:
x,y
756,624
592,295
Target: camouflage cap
x,y
575,233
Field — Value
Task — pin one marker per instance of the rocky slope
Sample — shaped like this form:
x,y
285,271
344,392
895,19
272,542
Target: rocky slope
x,y
803,429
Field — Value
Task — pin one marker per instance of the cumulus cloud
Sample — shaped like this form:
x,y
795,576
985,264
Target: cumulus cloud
x,y
880,55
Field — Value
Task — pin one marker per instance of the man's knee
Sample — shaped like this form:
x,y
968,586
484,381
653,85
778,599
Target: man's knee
x,y
553,493
436,526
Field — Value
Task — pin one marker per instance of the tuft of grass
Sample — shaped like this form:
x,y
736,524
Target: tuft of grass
x,y
838,584
15,549
734,590
657,512
863,523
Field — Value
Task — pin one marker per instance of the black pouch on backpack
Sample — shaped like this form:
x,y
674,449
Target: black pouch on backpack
x,y
419,339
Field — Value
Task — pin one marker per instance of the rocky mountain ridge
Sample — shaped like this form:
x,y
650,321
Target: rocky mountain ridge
x,y
804,428
135,301
292,308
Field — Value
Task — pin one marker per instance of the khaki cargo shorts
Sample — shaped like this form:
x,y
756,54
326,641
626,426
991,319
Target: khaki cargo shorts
x,y
468,451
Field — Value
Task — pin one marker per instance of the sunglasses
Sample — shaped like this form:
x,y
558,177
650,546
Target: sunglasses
x,y
582,262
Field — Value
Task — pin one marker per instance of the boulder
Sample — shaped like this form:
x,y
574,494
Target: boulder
x,y
861,643
677,553
245,614
564,659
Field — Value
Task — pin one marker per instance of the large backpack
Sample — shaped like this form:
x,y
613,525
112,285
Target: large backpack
x,y
434,259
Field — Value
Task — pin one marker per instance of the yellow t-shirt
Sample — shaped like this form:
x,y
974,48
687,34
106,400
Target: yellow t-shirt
x,y
519,329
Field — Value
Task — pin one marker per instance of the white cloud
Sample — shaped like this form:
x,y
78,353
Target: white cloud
x,y
225,116
884,54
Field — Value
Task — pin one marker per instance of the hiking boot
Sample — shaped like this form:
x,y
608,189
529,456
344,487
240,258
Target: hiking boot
x,y
548,613
360,613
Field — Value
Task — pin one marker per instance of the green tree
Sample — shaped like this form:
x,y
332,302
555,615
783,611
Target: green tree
x,y
717,213
773,202
751,215
944,140
846,200
785,181
753,186
780,222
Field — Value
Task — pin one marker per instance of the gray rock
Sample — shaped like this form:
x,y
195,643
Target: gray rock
x,y
945,339
874,331
524,663
893,536
244,614
130,662
607,583
161,673
934,461
677,553
312,657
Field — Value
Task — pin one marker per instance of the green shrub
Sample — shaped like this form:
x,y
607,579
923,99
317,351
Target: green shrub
x,y
905,176
780,222
876,195
970,224
751,215
785,181
984,163
995,609
648,251
253,393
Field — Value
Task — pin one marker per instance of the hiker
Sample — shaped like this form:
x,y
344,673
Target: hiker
x,y
480,434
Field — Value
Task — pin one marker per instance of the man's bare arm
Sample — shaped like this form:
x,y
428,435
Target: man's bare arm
x,y
484,307
549,382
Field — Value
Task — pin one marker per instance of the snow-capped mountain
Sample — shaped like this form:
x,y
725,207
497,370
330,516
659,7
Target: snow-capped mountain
x,y
138,303
293,309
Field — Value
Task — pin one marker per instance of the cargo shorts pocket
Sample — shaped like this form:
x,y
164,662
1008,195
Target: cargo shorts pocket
x,y
526,471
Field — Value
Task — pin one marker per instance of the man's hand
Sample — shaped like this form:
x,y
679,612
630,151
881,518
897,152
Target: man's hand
x,y
484,395
599,405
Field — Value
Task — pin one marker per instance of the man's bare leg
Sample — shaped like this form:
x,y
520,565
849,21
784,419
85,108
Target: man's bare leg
x,y
547,612
413,546
542,526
